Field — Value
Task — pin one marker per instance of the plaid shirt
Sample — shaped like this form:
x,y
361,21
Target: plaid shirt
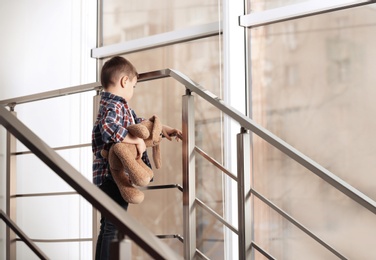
x,y
113,118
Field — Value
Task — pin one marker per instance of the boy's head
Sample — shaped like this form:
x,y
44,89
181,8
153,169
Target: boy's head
x,y
115,69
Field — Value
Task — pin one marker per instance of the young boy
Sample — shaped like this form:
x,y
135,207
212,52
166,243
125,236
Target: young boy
x,y
118,78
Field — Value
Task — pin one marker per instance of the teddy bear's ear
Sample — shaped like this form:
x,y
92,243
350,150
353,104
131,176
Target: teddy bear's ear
x,y
157,128
157,156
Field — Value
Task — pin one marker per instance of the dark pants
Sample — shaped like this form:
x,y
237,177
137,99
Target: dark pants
x,y
108,231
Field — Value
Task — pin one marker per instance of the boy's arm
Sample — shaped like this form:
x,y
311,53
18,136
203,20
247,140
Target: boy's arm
x,y
169,132
140,143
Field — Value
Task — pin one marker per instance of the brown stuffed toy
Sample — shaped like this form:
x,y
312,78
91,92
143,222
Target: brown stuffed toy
x,y
122,159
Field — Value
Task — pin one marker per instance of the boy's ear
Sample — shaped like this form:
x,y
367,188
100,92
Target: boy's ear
x,y
123,80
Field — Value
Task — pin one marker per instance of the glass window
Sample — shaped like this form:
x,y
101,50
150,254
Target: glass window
x,y
164,98
262,5
201,61
313,86
138,19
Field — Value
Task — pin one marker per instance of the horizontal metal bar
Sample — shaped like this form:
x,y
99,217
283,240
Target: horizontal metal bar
x,y
262,251
158,74
158,40
57,148
297,224
215,163
45,194
152,75
160,187
179,237
51,94
200,254
22,235
108,207
216,215
295,11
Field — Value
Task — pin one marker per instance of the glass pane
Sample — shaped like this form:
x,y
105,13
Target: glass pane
x,y
201,61
262,5
71,250
313,86
136,19
164,98
31,168
210,237
161,213
67,121
56,217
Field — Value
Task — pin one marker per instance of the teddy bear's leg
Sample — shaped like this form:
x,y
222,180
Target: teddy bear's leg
x,y
146,169
129,193
139,173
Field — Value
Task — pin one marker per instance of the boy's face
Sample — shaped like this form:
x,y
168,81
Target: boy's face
x,y
128,85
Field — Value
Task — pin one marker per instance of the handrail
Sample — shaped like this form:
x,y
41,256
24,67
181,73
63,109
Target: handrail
x,y
51,94
134,230
22,235
272,139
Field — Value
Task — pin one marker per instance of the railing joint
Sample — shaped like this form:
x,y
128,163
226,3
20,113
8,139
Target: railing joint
x,y
243,130
188,92
12,106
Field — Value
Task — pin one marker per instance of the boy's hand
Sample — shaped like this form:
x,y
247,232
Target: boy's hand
x,y
168,132
139,142
141,148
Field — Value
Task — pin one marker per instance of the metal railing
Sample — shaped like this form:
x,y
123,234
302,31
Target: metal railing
x,y
10,223
126,224
142,236
243,175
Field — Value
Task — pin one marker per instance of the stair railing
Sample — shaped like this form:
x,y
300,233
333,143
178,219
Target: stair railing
x,y
245,190
126,223
12,225
143,237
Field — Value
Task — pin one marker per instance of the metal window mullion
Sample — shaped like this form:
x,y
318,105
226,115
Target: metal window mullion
x,y
245,230
96,214
189,178
11,192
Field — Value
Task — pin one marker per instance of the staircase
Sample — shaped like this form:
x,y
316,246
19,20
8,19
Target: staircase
x,y
248,246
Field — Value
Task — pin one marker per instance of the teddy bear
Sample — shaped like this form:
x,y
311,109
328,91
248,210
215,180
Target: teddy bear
x,y
123,159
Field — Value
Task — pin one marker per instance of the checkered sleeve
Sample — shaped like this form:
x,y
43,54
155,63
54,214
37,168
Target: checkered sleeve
x,y
113,129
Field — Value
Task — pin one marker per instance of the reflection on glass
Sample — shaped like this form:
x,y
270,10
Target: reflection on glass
x,y
313,86
123,22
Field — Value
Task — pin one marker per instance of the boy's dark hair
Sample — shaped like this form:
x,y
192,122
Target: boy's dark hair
x,y
115,66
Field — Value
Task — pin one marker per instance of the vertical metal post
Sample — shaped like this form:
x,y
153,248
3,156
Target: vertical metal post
x,y
96,215
11,192
189,178
244,195
96,99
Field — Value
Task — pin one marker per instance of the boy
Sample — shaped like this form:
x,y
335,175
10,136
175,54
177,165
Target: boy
x,y
118,79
